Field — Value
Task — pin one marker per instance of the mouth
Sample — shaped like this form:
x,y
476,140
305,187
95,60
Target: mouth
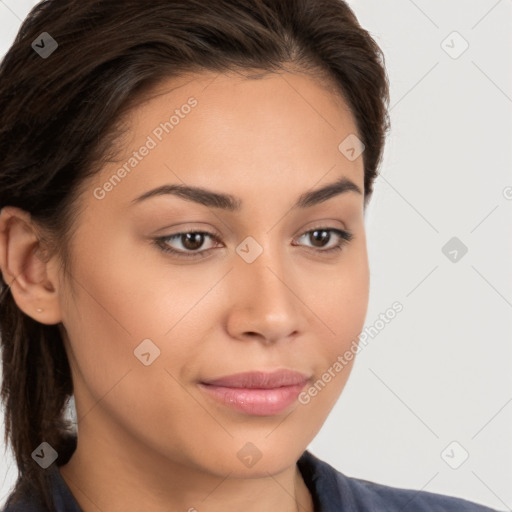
x,y
257,393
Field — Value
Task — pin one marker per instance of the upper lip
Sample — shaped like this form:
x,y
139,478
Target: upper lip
x,y
260,379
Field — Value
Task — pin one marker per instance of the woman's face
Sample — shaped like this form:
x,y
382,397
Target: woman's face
x,y
145,327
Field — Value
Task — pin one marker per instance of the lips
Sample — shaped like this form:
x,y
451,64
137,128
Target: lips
x,y
260,380
256,393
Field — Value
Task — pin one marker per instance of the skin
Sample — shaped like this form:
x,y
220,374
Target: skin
x,y
149,438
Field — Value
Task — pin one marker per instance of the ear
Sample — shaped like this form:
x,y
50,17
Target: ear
x,y
32,280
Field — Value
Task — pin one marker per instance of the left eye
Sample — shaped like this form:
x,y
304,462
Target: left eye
x,y
193,240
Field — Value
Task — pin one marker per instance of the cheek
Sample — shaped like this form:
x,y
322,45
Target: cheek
x,y
100,339
122,297
108,313
342,307
344,299
118,303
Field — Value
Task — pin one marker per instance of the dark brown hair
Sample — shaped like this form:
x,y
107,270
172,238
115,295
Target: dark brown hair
x,y
60,117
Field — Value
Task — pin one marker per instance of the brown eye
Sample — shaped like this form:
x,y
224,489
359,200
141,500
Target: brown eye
x,y
319,237
192,241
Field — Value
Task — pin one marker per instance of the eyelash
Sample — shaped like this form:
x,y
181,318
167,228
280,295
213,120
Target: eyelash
x,y
345,238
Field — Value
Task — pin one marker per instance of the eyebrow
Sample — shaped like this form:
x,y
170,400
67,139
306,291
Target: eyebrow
x,y
233,204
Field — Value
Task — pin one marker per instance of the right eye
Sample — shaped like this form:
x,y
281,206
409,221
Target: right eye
x,y
192,239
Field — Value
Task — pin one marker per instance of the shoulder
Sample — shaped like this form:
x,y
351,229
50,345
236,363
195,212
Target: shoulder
x,y
332,490
370,494
23,506
24,497
27,503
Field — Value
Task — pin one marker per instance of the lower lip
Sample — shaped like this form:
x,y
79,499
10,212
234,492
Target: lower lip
x,y
258,402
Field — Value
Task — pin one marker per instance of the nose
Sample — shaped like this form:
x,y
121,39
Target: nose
x,y
264,303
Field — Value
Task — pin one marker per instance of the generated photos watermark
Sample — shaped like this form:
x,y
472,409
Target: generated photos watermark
x,y
355,348
157,135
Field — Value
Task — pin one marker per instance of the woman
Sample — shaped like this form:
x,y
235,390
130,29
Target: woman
x,y
183,187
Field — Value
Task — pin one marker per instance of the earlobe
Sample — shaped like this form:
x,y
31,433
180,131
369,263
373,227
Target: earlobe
x,y
24,269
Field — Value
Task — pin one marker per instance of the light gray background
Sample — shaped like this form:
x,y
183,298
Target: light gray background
x,y
440,371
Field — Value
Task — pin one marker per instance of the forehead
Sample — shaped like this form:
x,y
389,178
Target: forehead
x,y
232,129
244,97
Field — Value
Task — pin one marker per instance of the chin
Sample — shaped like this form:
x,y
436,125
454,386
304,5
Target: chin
x,y
256,459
